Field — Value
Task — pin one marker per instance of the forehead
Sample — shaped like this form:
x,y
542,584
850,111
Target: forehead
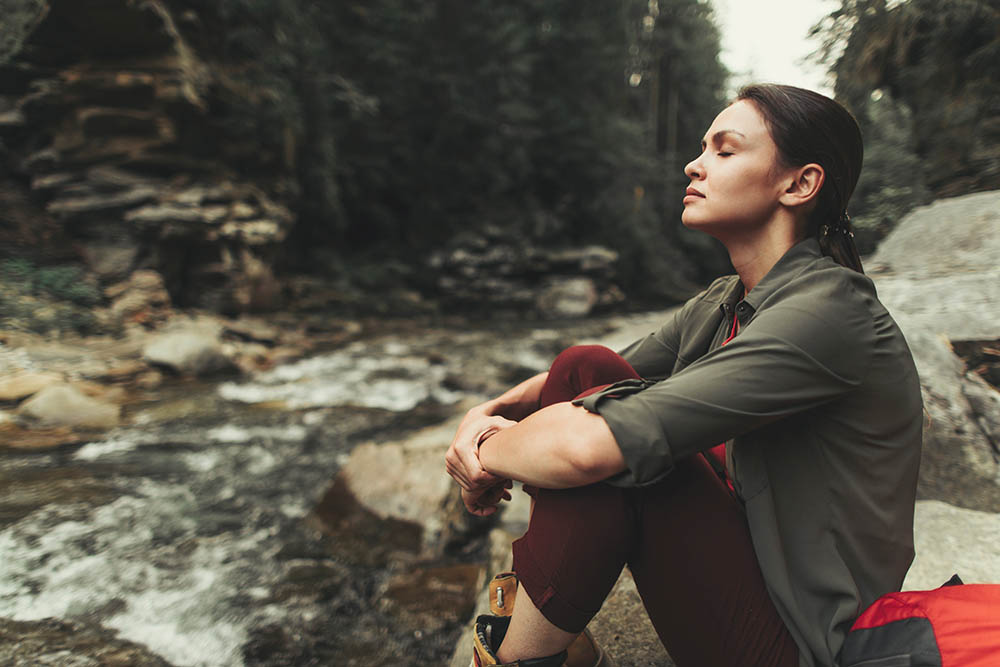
x,y
743,117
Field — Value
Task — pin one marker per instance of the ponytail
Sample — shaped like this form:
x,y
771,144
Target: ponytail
x,y
837,241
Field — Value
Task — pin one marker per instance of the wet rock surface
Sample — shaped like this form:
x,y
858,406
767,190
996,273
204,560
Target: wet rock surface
x,y
206,527
69,644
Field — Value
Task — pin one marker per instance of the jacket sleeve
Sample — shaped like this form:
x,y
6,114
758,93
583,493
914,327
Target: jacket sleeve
x,y
788,358
654,356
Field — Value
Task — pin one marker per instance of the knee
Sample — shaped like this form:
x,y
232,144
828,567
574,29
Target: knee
x,y
577,356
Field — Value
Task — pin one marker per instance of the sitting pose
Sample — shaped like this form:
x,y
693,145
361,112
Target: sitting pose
x,y
754,461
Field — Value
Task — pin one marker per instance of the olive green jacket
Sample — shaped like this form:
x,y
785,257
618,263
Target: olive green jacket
x,y
819,400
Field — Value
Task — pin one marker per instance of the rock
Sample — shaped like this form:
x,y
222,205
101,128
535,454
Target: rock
x,y
109,109
431,599
110,261
14,436
481,270
63,405
252,329
106,204
76,643
985,403
571,297
22,385
20,19
950,540
191,352
943,287
418,488
160,214
143,298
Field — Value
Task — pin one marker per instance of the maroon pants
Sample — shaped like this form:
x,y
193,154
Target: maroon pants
x,y
685,540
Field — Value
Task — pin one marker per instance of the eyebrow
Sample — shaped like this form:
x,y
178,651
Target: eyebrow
x,y
717,137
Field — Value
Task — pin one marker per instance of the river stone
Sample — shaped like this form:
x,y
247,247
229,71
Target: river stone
x,y
69,644
192,352
404,480
64,405
14,436
22,385
569,297
110,261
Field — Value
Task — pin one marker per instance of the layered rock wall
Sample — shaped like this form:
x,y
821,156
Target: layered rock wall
x,y
104,116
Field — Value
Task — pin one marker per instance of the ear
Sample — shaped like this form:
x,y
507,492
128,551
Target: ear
x,y
803,185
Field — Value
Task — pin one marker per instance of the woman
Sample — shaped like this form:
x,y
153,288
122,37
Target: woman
x,y
792,363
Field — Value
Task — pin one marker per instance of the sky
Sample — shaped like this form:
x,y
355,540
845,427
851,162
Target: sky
x,y
765,40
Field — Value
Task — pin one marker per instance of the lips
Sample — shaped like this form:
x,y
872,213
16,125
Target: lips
x,y
693,192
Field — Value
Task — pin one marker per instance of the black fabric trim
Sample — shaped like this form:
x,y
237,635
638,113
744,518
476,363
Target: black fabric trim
x,y
911,641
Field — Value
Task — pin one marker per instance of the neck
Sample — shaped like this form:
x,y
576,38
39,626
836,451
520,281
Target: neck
x,y
754,255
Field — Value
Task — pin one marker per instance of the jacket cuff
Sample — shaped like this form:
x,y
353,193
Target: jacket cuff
x,y
638,433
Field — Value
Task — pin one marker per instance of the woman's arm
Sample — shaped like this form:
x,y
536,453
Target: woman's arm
x,y
484,420
517,402
559,446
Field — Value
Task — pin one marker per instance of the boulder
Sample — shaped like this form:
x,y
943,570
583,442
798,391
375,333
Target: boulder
x,y
404,480
74,643
22,385
568,297
110,261
942,286
191,352
143,298
487,271
64,405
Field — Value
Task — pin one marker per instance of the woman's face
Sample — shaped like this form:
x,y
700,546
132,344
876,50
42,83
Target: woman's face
x,y
736,181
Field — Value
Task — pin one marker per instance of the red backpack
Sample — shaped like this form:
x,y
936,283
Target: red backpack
x,y
957,625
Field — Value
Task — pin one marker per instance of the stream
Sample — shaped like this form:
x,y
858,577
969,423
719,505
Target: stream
x,y
185,537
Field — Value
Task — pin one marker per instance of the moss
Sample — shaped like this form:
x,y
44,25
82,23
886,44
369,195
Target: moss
x,y
46,299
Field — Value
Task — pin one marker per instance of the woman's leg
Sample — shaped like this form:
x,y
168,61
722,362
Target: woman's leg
x,y
580,369
583,368
696,570
686,542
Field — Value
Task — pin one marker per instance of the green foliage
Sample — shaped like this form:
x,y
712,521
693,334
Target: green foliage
x,y
399,124
938,59
891,182
44,299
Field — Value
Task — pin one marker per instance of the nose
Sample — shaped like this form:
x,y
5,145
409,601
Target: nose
x,y
693,169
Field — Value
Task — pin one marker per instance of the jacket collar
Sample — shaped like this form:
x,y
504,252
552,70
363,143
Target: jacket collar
x,y
793,262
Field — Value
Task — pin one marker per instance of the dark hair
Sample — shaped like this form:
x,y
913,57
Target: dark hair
x,y
809,127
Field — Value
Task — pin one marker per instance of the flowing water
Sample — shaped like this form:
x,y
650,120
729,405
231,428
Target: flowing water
x,y
189,530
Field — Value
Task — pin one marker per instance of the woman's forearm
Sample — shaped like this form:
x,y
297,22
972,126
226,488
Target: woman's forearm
x,y
559,446
519,401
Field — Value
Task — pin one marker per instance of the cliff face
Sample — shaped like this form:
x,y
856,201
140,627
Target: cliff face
x,y
105,119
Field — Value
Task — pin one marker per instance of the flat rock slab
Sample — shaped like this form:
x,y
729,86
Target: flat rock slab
x,y
22,385
64,405
953,540
188,352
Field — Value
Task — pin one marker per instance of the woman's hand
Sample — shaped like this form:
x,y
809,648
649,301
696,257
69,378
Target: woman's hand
x,y
484,502
462,459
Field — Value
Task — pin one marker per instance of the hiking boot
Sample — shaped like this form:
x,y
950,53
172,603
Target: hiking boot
x,y
583,652
489,633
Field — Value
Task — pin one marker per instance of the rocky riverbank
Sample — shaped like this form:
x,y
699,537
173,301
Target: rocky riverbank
x,y
202,490
940,292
